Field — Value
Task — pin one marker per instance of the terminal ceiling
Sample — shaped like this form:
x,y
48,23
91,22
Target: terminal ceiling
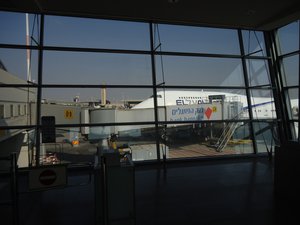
x,y
246,14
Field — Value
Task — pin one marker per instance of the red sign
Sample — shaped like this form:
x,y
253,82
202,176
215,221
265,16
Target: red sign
x,y
47,177
208,112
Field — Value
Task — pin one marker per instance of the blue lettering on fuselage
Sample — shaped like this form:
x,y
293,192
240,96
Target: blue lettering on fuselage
x,y
188,101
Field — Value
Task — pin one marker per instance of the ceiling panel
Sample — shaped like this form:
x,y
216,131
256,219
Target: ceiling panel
x,y
247,14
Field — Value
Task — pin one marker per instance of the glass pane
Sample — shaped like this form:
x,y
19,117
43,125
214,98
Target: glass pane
x,y
196,39
13,26
96,68
294,126
199,71
18,141
254,44
14,65
206,139
289,37
95,33
291,70
69,147
266,136
294,103
94,97
262,104
258,72
200,105
17,107
79,145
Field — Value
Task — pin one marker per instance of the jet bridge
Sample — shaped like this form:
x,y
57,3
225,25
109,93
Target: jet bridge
x,y
215,110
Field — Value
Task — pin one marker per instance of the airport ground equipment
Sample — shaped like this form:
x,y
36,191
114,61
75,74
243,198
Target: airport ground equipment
x,y
114,188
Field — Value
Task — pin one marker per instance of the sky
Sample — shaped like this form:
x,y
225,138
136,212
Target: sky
x,y
105,68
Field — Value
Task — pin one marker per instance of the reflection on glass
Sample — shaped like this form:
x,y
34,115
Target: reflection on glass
x,y
291,70
254,44
294,126
294,103
96,68
258,72
262,104
266,136
95,33
199,71
196,39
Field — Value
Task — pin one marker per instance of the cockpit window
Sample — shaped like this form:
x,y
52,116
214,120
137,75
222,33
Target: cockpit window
x,y
158,96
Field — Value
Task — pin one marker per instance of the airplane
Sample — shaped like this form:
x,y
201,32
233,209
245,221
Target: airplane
x,y
262,107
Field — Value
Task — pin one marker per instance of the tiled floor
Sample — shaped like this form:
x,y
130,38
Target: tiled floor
x,y
227,191
216,192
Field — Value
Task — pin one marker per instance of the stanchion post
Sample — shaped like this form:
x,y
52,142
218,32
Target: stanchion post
x,y
14,188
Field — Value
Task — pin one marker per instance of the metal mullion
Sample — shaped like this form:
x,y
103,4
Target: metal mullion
x,y
39,93
17,46
94,86
277,83
132,123
96,50
248,94
134,86
298,79
290,87
201,87
297,52
154,90
208,55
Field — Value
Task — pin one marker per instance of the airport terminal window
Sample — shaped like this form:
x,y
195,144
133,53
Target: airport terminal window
x,y
97,76
289,48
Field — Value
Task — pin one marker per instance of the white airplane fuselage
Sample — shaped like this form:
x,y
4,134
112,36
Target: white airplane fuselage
x,y
262,107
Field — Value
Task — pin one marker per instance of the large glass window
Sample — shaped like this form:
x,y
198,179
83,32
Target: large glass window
x,y
91,82
289,47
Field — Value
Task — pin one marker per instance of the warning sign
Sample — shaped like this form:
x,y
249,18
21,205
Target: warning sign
x,y
69,114
45,177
